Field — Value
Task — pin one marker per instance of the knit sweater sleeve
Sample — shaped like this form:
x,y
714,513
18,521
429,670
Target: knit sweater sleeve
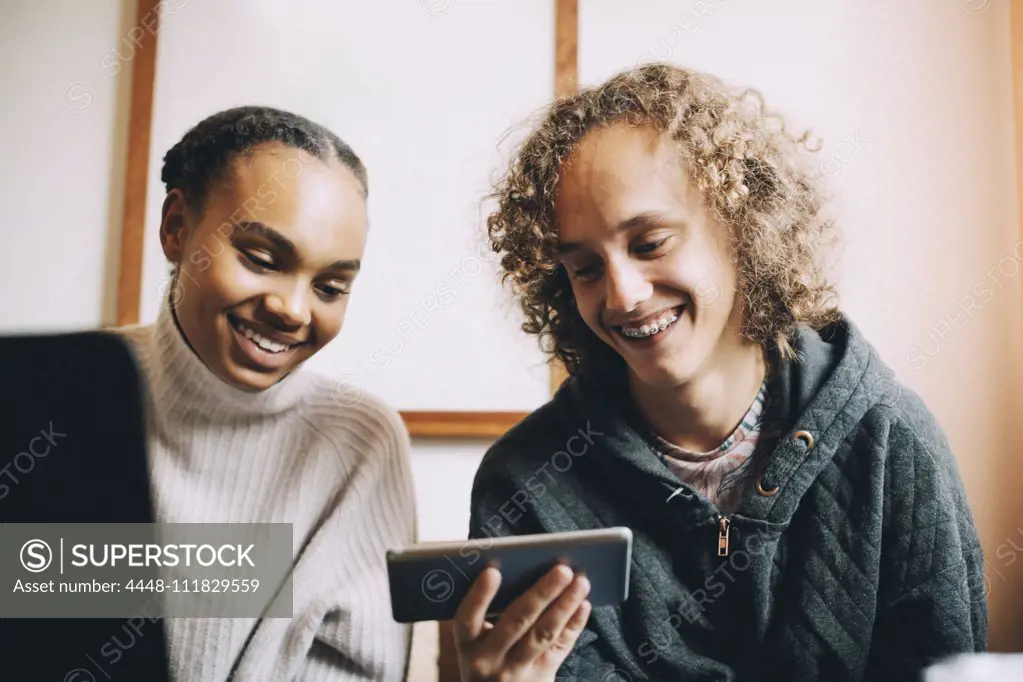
x,y
933,598
357,638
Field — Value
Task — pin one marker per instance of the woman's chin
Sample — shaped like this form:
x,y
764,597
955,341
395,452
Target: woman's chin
x,y
246,378
240,371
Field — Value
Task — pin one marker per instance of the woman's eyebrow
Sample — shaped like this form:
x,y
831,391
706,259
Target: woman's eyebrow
x,y
270,234
288,246
350,265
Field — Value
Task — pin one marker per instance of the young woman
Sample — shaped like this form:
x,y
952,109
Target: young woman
x,y
797,514
264,224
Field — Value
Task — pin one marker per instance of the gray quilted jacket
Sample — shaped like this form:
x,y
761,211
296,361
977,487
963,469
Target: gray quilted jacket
x,y
854,557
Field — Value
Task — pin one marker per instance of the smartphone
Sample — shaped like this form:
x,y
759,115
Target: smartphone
x,y
428,581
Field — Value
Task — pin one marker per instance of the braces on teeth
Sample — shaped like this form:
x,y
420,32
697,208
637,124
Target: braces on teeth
x,y
649,329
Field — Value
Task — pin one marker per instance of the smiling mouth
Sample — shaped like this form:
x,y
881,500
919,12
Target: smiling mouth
x,y
652,328
260,341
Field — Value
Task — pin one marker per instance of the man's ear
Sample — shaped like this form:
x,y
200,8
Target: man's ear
x,y
174,226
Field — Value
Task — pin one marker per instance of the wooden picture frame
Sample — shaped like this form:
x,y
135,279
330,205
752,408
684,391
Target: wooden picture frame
x,y
1016,40
421,424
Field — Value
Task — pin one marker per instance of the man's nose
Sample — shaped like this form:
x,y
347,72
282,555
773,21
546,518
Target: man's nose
x,y
627,288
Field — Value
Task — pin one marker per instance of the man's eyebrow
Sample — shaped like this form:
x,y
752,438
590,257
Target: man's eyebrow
x,y
644,219
285,244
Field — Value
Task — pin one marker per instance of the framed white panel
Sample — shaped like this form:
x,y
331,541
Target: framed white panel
x,y
431,95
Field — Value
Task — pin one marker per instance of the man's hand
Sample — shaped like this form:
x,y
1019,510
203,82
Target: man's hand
x,y
533,636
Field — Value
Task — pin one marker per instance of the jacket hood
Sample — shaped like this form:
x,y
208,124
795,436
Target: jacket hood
x,y
814,402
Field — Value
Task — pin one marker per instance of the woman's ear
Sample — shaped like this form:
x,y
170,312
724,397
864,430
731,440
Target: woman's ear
x,y
173,226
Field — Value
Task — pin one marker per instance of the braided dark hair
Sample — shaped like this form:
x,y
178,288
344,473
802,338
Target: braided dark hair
x,y
204,154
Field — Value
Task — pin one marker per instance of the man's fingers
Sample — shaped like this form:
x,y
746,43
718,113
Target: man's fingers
x,y
549,627
470,619
556,654
522,613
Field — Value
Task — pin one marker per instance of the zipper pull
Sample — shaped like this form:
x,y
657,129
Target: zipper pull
x,y
723,530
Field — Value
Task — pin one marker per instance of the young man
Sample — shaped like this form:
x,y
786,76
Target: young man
x,y
797,514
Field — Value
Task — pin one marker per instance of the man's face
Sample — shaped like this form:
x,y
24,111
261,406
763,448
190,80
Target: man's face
x,y
649,265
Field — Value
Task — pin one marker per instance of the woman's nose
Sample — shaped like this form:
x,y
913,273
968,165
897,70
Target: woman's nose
x,y
291,306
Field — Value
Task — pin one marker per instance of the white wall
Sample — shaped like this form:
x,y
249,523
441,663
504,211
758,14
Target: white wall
x,y
62,152
912,101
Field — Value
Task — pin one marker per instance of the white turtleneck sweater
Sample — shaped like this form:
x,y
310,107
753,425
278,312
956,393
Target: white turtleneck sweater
x,y
289,454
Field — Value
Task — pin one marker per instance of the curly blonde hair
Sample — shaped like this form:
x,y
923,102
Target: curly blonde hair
x,y
748,168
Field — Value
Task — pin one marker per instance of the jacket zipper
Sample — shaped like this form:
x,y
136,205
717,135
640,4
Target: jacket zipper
x,y
724,529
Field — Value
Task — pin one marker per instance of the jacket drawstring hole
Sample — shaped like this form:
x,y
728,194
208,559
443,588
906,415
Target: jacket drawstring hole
x,y
766,491
804,436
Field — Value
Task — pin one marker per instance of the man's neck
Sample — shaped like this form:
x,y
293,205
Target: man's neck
x,y
700,414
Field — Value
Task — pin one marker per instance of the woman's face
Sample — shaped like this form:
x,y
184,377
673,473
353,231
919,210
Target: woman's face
x,y
649,265
265,272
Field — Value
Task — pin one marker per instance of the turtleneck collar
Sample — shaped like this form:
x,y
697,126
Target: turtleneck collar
x,y
185,386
